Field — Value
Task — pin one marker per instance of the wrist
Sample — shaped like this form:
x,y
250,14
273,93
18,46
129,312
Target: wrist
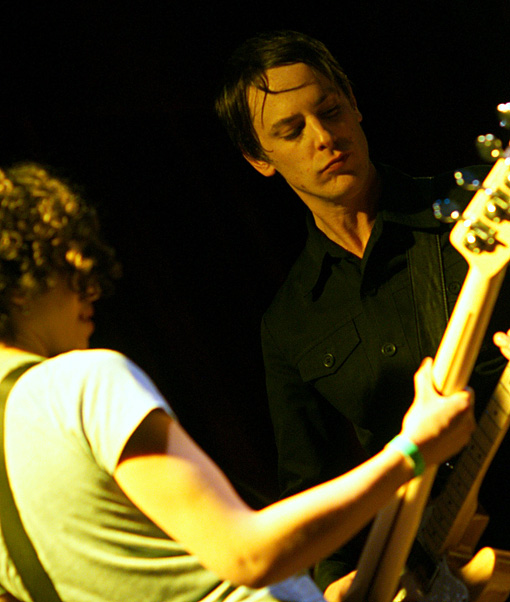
x,y
410,451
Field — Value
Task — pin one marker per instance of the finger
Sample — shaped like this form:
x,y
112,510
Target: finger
x,y
501,339
471,393
425,368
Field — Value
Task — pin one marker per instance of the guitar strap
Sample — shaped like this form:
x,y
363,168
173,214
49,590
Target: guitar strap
x,y
19,546
425,266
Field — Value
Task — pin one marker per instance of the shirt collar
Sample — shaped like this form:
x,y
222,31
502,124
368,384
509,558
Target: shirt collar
x,y
405,201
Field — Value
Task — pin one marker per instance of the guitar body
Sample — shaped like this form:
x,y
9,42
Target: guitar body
x,y
484,578
460,575
445,586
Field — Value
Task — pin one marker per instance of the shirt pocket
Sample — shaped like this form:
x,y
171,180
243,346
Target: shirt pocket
x,y
325,357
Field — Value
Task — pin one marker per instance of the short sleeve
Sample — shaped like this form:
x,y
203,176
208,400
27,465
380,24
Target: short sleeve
x,y
96,398
117,396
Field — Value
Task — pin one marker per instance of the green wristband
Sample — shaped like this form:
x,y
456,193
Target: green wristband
x,y
409,449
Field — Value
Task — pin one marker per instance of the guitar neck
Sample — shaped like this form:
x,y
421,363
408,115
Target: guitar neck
x,y
466,328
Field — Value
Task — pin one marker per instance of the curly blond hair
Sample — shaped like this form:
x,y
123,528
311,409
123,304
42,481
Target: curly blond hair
x,y
47,228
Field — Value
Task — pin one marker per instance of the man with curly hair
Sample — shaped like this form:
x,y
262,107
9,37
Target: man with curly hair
x,y
117,500
46,229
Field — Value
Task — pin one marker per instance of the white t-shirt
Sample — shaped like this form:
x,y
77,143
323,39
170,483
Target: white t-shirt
x,y
67,422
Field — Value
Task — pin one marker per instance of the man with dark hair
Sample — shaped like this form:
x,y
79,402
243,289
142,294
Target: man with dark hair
x,y
372,291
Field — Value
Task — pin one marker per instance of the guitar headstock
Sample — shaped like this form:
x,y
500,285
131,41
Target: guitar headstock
x,y
482,232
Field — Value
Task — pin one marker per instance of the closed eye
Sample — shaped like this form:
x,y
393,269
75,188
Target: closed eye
x,y
332,112
294,133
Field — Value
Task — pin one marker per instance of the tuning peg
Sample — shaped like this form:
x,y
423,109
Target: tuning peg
x,y
467,184
489,147
446,210
480,238
497,208
504,114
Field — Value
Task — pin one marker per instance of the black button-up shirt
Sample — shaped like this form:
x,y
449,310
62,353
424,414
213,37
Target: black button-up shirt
x,y
341,339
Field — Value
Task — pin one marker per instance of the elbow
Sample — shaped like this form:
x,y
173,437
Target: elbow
x,y
259,582
251,554
252,579
257,578
250,571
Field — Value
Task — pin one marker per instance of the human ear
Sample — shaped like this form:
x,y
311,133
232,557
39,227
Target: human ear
x,y
263,167
18,310
354,105
18,300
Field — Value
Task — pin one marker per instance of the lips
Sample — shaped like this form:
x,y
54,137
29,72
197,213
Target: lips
x,y
335,161
87,315
88,323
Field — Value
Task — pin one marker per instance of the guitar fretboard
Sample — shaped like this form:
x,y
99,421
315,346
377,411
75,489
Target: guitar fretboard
x,y
455,506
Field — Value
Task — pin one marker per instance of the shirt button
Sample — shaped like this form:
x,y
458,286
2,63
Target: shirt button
x,y
454,288
389,349
328,360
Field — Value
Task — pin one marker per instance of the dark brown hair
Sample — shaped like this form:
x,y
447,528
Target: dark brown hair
x,y
247,67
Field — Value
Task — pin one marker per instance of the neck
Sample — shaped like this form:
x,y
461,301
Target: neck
x,y
350,225
26,334
349,230
15,349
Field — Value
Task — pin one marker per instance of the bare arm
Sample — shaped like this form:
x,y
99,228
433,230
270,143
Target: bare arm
x,y
179,487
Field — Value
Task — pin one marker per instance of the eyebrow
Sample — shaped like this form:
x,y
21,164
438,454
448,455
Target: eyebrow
x,y
287,120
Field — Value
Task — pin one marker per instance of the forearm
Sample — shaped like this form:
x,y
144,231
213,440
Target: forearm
x,y
257,548
295,533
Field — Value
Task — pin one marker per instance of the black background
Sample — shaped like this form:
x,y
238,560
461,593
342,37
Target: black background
x,y
119,97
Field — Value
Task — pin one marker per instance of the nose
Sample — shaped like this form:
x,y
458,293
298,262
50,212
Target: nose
x,y
323,136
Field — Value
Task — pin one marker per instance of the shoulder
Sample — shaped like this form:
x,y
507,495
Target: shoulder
x,y
459,180
399,187
89,370
454,189
82,362
91,358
